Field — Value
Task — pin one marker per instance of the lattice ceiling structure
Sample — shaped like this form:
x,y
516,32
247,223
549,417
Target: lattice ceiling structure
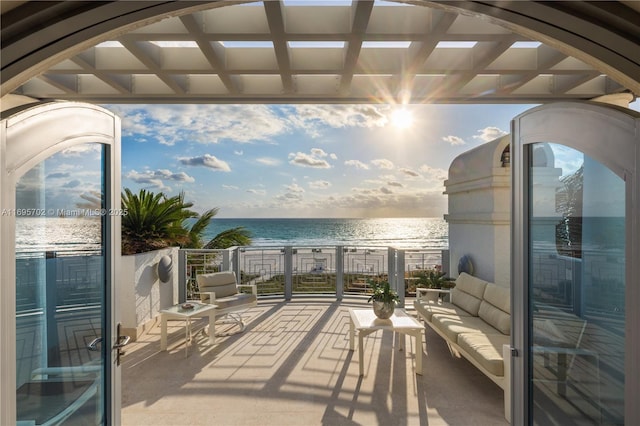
x,y
340,52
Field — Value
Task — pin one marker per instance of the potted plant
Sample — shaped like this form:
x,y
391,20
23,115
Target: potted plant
x,y
434,279
383,297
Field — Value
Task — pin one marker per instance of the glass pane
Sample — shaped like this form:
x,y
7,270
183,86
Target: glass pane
x,y
577,287
60,289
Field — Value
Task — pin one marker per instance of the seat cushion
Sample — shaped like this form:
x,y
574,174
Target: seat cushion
x,y
239,299
486,349
428,308
453,325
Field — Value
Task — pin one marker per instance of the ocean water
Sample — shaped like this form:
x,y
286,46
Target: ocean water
x,y
76,234
39,234
426,233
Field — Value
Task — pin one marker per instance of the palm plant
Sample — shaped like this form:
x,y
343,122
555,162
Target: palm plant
x,y
155,221
239,236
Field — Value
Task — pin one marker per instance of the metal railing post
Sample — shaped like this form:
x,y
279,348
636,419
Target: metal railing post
x,y
339,272
399,271
288,272
235,262
226,264
182,275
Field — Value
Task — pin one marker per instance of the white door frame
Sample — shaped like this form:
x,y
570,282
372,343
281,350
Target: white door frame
x,y
28,135
610,135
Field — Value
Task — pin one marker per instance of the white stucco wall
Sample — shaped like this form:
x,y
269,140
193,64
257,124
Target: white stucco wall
x,y
141,293
479,196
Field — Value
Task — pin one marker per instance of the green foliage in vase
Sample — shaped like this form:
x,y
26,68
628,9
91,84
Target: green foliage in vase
x,y
382,292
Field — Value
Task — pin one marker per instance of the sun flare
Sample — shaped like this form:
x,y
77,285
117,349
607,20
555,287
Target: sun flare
x,y
402,118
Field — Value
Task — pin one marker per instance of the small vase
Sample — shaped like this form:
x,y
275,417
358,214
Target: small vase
x,y
383,310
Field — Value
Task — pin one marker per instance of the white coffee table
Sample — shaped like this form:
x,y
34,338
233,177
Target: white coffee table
x,y
365,322
178,312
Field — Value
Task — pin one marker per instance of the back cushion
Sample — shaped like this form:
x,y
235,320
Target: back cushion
x,y
222,283
495,317
470,284
495,308
468,292
465,301
498,296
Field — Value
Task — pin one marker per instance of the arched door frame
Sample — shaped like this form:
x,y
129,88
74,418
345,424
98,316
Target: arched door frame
x,y
90,124
611,136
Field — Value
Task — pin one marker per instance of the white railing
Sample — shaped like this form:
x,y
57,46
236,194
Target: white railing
x,y
289,271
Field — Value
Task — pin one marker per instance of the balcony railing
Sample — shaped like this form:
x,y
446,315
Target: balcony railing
x,y
291,271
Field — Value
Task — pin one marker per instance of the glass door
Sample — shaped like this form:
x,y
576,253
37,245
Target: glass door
x,y
575,273
61,288
576,288
59,256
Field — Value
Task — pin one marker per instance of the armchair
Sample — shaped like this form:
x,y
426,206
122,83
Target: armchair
x,y
222,289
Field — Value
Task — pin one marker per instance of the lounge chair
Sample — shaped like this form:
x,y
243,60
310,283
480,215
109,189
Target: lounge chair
x,y
222,289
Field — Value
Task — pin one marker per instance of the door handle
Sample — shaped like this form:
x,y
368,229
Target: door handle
x,y
93,346
121,342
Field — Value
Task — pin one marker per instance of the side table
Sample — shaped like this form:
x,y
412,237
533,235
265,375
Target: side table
x,y
179,312
364,322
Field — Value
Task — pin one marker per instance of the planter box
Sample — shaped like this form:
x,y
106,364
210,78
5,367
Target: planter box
x,y
141,293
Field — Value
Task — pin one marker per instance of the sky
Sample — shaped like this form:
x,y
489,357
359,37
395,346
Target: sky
x,y
338,161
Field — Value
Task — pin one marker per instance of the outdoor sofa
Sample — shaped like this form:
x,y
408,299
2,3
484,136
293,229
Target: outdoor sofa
x,y
476,323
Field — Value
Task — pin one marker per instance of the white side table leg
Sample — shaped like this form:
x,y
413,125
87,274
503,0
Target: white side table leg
x,y
212,326
187,338
361,351
352,332
163,332
418,336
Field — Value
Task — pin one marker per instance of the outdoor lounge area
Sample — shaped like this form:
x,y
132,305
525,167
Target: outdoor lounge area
x,y
542,201
292,365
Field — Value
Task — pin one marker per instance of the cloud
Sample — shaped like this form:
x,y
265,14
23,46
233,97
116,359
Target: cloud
x,y
59,175
256,191
206,160
454,140
317,152
155,178
289,197
319,184
238,152
268,161
294,187
308,160
398,184
489,133
432,173
357,164
312,118
230,187
382,163
386,190
171,123
409,172
72,184
333,156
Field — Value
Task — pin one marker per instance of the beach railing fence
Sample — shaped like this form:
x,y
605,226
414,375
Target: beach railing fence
x,y
291,271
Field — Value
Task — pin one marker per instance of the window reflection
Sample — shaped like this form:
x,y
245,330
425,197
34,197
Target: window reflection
x,y
60,288
577,270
